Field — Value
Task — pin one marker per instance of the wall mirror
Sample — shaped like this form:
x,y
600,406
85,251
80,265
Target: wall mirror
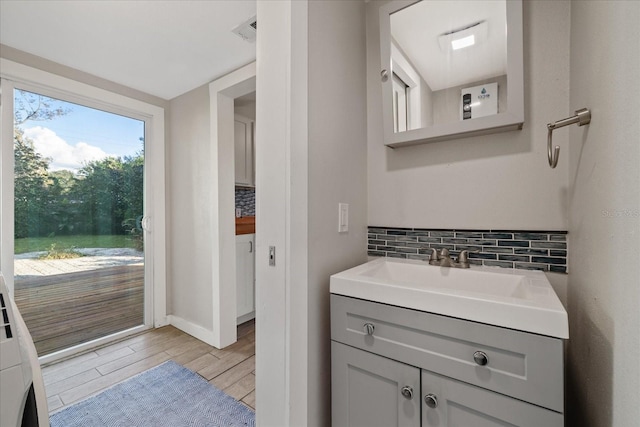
x,y
450,69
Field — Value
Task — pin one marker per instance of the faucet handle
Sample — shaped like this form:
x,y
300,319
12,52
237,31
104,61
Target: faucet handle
x,y
464,255
434,255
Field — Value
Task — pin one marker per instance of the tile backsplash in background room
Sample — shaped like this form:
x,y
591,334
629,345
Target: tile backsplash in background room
x,y
246,200
530,250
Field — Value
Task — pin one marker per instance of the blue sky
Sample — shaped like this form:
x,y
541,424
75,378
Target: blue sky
x,y
84,134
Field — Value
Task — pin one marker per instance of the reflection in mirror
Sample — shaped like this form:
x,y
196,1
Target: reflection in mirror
x,y
448,61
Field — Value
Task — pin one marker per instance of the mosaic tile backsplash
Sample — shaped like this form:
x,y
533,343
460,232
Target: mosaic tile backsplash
x,y
246,200
528,250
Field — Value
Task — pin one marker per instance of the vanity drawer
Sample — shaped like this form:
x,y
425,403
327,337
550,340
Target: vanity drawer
x,y
523,365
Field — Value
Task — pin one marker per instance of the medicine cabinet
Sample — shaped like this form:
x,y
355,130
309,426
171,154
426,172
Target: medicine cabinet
x,y
450,69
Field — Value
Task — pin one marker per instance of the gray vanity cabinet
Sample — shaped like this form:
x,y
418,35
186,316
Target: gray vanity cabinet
x,y
461,404
460,373
368,390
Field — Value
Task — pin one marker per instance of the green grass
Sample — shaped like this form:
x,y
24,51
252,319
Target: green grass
x,y
36,244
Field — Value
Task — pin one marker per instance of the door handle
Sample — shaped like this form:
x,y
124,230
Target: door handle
x,y
146,223
250,246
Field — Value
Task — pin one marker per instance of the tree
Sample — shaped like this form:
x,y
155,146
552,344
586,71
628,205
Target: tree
x,y
35,107
99,191
103,197
34,188
32,180
133,169
65,216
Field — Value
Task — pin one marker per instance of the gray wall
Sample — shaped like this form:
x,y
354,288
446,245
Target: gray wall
x,y
189,204
498,181
503,181
604,216
337,173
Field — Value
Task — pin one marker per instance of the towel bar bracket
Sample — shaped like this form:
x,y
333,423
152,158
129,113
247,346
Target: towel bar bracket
x,y
582,117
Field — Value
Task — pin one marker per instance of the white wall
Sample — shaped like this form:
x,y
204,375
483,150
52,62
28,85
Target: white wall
x,y
245,109
311,155
604,223
189,174
499,181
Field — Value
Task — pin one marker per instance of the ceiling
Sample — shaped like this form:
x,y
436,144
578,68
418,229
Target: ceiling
x,y
416,30
164,48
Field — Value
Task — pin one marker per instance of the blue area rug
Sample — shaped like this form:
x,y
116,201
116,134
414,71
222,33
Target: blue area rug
x,y
168,395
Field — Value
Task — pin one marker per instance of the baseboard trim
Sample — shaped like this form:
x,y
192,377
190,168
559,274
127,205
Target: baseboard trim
x,y
197,331
246,317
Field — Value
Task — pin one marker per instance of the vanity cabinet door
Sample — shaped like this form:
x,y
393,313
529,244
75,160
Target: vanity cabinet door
x,y
447,403
370,390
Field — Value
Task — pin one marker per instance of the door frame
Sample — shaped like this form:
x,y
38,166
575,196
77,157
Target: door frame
x,y
16,75
222,93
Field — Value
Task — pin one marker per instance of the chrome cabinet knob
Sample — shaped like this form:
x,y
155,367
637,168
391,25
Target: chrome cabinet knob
x,y
407,392
384,74
431,400
480,357
369,328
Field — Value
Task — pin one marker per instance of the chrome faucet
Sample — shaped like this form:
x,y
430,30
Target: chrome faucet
x,y
443,258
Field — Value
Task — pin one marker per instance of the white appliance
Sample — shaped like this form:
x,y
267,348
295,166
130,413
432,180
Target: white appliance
x,y
23,401
479,101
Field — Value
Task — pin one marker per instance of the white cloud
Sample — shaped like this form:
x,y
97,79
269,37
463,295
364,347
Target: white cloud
x,y
62,154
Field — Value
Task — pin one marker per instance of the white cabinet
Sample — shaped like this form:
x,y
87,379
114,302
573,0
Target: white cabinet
x,y
460,373
245,277
244,150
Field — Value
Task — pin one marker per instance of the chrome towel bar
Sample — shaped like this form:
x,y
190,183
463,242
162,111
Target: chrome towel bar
x,y
582,117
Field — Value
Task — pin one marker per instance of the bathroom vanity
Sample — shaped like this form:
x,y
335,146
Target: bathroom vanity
x,y
408,348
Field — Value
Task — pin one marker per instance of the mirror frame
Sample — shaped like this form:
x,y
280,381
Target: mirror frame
x,y
512,119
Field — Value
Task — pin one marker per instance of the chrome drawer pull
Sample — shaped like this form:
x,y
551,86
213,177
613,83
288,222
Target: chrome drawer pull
x,y
431,400
369,328
407,392
480,357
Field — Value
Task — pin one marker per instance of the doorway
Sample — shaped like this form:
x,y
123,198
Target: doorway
x,y
245,205
78,220
223,94
82,244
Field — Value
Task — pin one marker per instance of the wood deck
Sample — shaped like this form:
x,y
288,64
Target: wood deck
x,y
64,310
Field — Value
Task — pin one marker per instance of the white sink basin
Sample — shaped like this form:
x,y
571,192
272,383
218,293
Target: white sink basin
x,y
515,299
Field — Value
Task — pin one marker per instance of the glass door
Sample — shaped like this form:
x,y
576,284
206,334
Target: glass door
x,y
79,271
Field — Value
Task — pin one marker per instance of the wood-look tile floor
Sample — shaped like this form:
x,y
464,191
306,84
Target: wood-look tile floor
x,y
231,369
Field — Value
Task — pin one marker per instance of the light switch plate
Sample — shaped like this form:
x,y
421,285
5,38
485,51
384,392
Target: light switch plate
x,y
343,217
